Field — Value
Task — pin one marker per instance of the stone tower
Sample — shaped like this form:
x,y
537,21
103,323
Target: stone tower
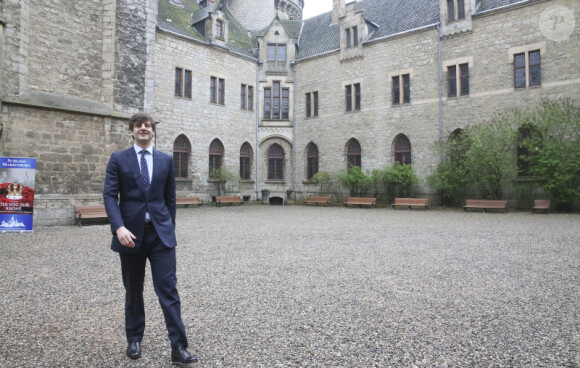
x,y
258,14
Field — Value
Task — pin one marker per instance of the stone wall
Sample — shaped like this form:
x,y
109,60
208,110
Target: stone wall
x,y
198,119
487,49
74,73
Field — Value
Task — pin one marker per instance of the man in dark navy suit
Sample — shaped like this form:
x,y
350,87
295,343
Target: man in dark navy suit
x,y
139,197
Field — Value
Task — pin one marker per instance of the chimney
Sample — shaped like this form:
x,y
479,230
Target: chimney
x,y
338,10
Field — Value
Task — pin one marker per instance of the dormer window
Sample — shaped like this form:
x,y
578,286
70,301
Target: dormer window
x,y
276,52
455,10
219,29
351,35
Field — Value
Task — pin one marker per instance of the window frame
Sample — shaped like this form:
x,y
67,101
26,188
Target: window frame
x,y
353,154
181,155
312,157
217,90
276,156
524,70
219,29
277,56
216,155
246,161
401,152
183,83
276,102
401,89
243,97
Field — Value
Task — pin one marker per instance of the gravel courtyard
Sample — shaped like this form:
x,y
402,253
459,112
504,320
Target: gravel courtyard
x,y
294,286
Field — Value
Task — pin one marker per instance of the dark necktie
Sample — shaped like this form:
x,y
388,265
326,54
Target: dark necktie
x,y
145,171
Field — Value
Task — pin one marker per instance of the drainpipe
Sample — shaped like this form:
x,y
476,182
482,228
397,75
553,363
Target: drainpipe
x,y
293,66
440,92
260,62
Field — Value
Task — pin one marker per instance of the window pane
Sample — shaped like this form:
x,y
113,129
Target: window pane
x,y
178,73
520,60
460,9
535,70
315,103
357,96
281,53
219,33
267,103
308,104
520,78
187,84
271,52
212,90
355,36
451,81
347,35
222,89
348,98
406,88
276,100
250,98
243,96
285,103
464,75
396,91
450,10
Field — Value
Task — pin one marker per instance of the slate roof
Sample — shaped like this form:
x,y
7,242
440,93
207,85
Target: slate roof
x,y
493,4
316,35
319,36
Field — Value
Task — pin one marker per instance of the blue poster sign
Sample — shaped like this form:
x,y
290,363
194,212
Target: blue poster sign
x,y
17,176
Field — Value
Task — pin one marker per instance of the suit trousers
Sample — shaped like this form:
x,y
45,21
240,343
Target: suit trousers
x,y
163,272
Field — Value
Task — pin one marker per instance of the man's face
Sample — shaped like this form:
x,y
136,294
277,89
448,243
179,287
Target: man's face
x,y
143,134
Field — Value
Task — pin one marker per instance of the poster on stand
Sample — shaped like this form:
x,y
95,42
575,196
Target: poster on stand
x,y
17,177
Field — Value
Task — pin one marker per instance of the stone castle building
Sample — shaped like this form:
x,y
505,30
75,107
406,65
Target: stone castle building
x,y
251,86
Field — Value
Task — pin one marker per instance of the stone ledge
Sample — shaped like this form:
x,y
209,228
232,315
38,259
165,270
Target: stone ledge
x,y
64,103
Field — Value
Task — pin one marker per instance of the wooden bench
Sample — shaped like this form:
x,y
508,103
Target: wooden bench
x,y
317,200
219,200
360,201
410,202
485,204
186,201
541,204
89,212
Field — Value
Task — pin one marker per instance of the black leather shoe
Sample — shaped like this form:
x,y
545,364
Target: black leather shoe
x,y
134,350
180,356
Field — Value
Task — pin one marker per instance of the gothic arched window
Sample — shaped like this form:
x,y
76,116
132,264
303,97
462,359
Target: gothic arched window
x,y
246,161
181,153
275,162
402,150
353,154
216,153
312,164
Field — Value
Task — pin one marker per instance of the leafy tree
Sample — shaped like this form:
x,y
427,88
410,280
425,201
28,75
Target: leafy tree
x,y
490,159
450,177
400,181
225,181
554,149
450,181
355,181
328,183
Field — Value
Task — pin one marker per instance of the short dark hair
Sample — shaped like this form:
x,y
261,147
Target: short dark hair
x,y
140,118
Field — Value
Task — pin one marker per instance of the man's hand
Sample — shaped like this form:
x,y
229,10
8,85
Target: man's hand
x,y
126,237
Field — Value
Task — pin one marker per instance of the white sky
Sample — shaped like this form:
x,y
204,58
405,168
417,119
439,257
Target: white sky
x,y
315,7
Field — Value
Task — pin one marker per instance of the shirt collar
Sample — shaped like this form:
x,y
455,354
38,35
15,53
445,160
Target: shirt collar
x,y
139,149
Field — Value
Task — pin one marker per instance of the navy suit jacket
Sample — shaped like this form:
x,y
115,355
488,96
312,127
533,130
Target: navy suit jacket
x,y
126,202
